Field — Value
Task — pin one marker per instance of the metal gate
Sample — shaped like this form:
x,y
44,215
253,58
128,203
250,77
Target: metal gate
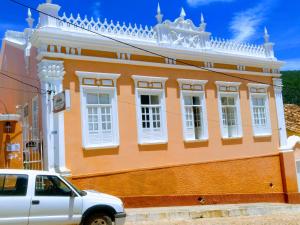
x,y
33,155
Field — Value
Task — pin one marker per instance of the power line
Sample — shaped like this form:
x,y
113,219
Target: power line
x,y
142,49
22,82
21,90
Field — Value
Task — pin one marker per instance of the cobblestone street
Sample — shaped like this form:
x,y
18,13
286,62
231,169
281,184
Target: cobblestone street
x,y
278,219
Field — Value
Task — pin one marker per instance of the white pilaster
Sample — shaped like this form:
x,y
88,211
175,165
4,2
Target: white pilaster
x,y
51,74
277,82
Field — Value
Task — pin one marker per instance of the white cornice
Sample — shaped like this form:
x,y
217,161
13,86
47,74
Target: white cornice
x,y
257,85
98,75
149,79
191,81
94,42
150,64
225,83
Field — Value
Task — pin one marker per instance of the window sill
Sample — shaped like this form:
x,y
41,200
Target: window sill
x,y
262,135
100,147
154,143
196,140
232,138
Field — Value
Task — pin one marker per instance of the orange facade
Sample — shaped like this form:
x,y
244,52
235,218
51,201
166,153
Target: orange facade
x,y
253,164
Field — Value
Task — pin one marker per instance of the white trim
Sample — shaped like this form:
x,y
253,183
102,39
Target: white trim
x,y
201,95
277,86
137,78
257,85
148,91
92,147
98,75
152,64
267,112
238,113
35,99
225,83
114,113
10,117
94,42
190,81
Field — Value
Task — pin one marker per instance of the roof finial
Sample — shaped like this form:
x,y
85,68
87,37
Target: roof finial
x,y
202,18
29,18
159,16
182,13
202,24
49,1
266,36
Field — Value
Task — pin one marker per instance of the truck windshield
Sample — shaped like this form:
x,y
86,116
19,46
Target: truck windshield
x,y
82,193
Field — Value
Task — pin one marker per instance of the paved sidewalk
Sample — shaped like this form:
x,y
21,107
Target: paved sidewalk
x,y
211,214
276,219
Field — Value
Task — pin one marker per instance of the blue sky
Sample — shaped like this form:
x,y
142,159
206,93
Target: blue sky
x,y
242,20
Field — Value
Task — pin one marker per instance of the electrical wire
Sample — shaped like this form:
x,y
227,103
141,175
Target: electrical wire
x,y
142,49
22,82
150,52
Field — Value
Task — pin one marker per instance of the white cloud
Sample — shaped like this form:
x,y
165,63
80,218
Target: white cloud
x,y
195,3
291,64
96,9
244,24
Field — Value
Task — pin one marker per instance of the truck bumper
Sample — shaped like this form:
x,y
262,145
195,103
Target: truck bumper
x,y
120,218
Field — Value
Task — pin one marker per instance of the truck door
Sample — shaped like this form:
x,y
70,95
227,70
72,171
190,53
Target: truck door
x,y
53,203
14,202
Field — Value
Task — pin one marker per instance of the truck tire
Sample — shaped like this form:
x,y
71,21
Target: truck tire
x,y
98,219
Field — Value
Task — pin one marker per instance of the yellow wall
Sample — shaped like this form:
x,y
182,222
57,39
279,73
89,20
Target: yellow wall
x,y
130,155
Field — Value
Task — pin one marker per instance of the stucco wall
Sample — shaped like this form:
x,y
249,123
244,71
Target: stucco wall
x,y
129,155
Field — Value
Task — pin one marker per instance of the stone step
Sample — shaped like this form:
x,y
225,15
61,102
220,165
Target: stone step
x,y
208,211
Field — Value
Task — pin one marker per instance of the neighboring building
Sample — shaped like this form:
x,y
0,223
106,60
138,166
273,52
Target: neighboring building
x,y
292,118
152,130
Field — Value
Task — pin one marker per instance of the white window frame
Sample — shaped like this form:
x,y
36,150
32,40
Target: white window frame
x,y
233,91
163,139
112,91
35,119
194,88
260,90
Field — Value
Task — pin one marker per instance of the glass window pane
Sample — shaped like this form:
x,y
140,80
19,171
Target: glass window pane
x,y
51,186
104,99
187,100
154,100
145,99
224,100
92,98
196,100
14,185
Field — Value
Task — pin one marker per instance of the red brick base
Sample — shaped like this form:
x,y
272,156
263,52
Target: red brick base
x,y
185,200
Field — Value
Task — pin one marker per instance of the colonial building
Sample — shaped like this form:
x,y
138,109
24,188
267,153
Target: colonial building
x,y
204,123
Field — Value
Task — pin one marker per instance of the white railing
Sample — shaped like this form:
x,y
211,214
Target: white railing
x,y
105,27
230,46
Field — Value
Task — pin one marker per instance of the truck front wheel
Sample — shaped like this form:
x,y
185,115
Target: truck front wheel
x,y
98,219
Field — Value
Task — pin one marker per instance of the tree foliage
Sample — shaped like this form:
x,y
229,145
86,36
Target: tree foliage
x,y
291,87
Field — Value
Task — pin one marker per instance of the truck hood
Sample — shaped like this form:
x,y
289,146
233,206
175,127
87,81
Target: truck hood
x,y
98,197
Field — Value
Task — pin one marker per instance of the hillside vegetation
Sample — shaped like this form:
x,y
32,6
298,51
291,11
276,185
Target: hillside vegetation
x,y
291,87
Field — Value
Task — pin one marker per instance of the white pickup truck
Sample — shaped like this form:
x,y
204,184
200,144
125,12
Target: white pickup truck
x,y
45,198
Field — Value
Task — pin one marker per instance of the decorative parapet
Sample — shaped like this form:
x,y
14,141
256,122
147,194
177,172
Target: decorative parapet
x,y
181,33
109,28
233,47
